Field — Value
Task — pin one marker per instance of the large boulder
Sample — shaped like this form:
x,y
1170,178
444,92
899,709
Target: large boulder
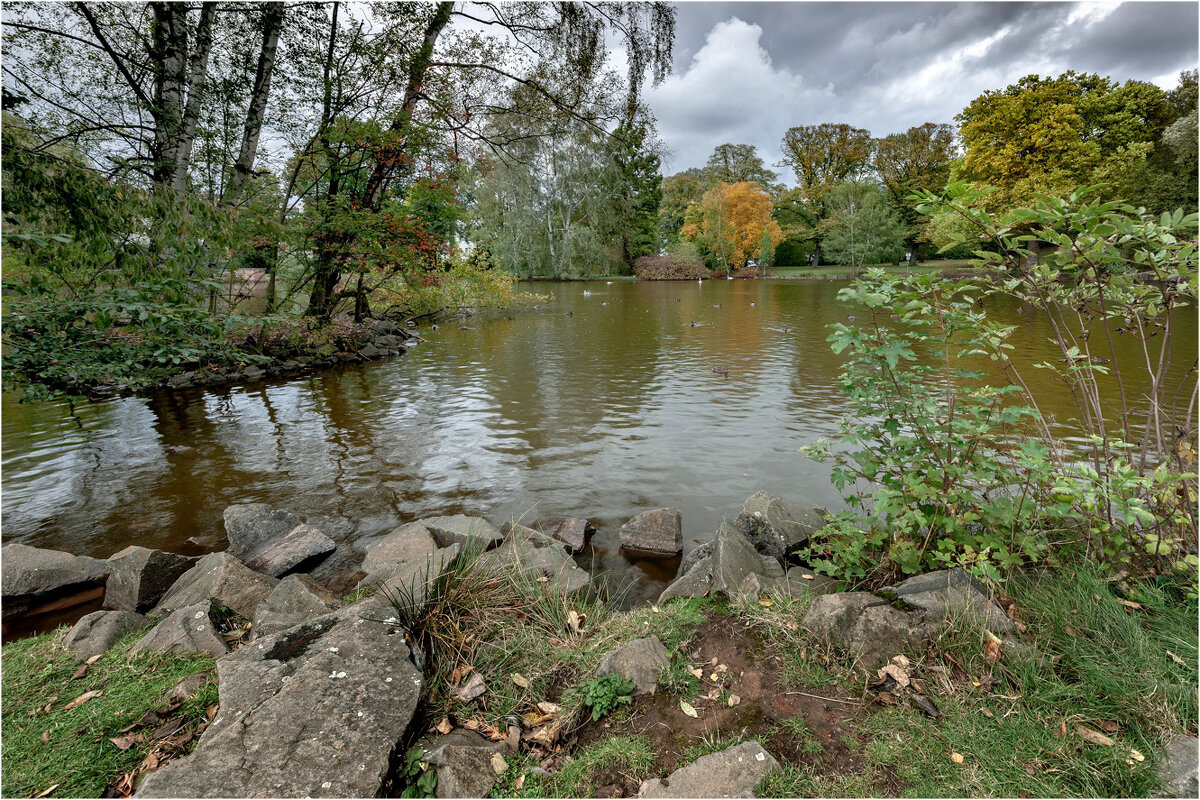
x,y
33,576
463,761
1179,771
408,542
696,582
775,528
658,532
409,584
188,630
138,577
95,633
314,711
866,627
272,541
223,579
573,533
463,530
947,593
296,599
640,661
727,564
732,772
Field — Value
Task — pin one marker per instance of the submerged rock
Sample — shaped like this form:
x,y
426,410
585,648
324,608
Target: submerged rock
x,y
314,711
658,531
272,541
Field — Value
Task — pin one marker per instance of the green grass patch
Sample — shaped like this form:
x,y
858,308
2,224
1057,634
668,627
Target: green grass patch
x,y
1089,660
711,743
804,781
630,757
70,748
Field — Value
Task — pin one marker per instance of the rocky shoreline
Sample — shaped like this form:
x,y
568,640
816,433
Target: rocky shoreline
x,y
318,694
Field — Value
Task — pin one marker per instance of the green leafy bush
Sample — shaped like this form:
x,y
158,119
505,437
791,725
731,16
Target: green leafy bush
x,y
605,694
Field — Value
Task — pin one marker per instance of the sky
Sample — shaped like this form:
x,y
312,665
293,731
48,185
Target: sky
x,y
746,72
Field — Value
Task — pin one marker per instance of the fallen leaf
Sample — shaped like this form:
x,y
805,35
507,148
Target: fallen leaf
x,y
686,708
459,673
45,792
925,705
83,698
808,577
1134,755
93,659
520,680
1061,733
534,718
1177,659
471,724
546,735
444,726
499,765
126,742
885,699
519,782
1070,631
987,712
1130,604
699,673
957,758
1095,737
79,673
766,602
734,700
715,661
901,661
46,737
167,728
575,620
471,689
713,677
1108,726
548,708
991,651
895,672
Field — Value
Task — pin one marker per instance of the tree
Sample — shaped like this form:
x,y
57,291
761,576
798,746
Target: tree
x,y
1050,135
861,227
679,192
736,163
825,155
732,221
1166,180
631,183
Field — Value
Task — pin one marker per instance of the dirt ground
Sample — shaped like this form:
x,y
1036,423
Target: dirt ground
x,y
764,710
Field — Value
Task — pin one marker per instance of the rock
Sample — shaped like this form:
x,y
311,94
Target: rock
x,y
639,661
389,341
97,632
223,579
410,580
296,599
138,577
370,351
812,581
657,531
949,592
866,627
314,711
272,541
733,559
537,555
188,688
31,576
409,542
696,582
253,373
463,760
775,528
573,533
1179,770
461,529
733,772
188,630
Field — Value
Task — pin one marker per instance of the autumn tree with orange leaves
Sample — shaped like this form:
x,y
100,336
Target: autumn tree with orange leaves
x,y
730,220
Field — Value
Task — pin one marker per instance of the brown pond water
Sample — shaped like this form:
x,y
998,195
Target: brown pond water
x,y
609,411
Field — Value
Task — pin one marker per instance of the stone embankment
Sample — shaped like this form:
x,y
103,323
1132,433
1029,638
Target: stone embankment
x,y
322,696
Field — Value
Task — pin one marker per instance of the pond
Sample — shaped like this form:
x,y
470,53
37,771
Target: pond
x,y
600,403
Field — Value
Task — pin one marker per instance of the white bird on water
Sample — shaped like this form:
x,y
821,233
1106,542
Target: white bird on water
x,y
608,283
586,293
728,277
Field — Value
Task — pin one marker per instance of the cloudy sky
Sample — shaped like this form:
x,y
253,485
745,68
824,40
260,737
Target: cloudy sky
x,y
746,72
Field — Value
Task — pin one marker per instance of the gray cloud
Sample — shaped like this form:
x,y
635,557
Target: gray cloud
x,y
745,72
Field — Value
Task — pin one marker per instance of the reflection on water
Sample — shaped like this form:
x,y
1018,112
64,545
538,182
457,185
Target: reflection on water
x,y
601,413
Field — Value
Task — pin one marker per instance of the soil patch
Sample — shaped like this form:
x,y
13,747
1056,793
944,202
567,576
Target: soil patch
x,y
812,728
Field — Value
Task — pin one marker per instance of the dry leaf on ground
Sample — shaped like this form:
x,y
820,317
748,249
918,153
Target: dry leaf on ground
x,y
126,742
1108,726
548,708
520,680
686,708
444,726
499,765
991,651
1093,736
957,758
897,674
83,698
471,689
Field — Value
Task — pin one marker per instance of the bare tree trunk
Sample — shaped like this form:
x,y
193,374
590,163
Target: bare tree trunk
x,y
169,58
272,22
195,94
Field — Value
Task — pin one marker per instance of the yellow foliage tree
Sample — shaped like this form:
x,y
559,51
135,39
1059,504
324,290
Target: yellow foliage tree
x,y
730,221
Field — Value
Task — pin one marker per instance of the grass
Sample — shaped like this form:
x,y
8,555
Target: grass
x,y
804,781
69,749
711,743
844,271
1092,661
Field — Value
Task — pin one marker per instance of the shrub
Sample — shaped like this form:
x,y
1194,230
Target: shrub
x,y
682,263
605,694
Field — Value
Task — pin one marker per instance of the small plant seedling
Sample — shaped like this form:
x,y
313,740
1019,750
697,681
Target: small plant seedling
x,y
420,778
604,694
